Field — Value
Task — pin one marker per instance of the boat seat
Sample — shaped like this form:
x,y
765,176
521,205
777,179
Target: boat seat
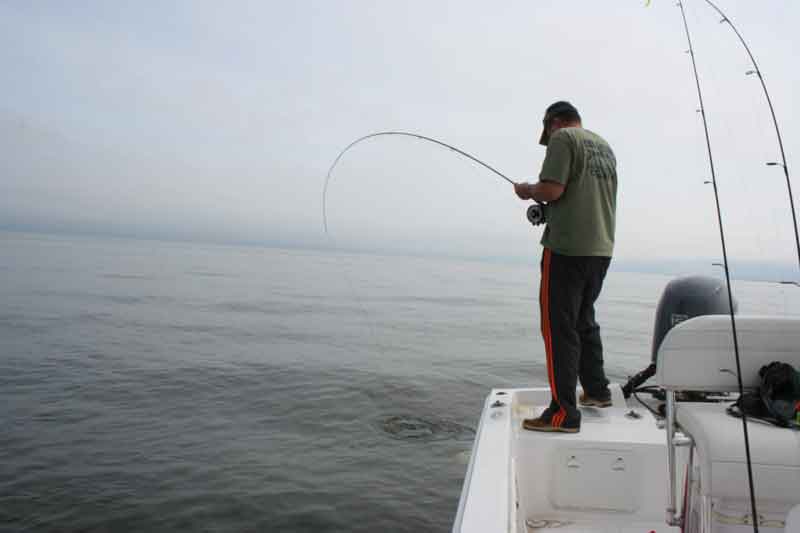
x,y
698,355
718,436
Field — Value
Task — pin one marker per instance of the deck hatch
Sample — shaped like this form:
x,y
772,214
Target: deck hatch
x,y
608,480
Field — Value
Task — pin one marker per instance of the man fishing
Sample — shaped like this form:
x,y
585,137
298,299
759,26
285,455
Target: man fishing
x,y
578,182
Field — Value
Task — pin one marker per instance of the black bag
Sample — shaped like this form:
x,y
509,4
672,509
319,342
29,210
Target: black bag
x,y
777,399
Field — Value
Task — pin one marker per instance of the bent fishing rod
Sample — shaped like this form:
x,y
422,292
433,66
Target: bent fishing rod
x,y
404,134
757,71
672,516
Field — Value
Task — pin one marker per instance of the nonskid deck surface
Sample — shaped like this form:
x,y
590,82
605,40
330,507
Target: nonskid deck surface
x,y
608,478
620,423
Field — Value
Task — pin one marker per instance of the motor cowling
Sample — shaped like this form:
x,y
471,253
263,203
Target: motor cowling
x,y
682,299
685,298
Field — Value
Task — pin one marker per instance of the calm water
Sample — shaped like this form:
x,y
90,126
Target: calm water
x,y
149,386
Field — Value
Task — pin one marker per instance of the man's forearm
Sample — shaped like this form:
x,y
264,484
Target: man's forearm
x,y
545,191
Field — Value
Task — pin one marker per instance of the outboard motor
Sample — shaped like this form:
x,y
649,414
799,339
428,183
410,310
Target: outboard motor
x,y
683,298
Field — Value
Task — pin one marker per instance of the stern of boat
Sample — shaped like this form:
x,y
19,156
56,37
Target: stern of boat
x,y
609,477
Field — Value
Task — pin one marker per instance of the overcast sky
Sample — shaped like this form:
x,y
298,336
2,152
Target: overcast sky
x,y
219,120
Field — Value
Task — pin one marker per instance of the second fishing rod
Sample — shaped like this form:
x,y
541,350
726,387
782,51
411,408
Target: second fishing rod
x,y
756,70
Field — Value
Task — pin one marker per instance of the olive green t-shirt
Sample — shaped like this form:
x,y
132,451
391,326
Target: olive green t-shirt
x,y
581,221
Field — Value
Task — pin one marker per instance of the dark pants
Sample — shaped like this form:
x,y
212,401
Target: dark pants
x,y
569,287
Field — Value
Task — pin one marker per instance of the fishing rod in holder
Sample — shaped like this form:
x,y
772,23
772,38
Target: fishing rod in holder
x,y
783,164
673,518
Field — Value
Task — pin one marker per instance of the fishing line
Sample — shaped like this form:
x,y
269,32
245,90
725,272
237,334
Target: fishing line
x,y
725,265
397,133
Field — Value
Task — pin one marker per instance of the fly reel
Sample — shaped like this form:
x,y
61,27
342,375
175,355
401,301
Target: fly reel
x,y
535,214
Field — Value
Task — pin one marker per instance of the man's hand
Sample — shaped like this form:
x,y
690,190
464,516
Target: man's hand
x,y
523,191
543,191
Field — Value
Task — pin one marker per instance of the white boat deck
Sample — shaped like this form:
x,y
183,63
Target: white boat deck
x,y
609,477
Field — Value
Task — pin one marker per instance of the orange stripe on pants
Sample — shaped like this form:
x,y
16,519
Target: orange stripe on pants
x,y
544,307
